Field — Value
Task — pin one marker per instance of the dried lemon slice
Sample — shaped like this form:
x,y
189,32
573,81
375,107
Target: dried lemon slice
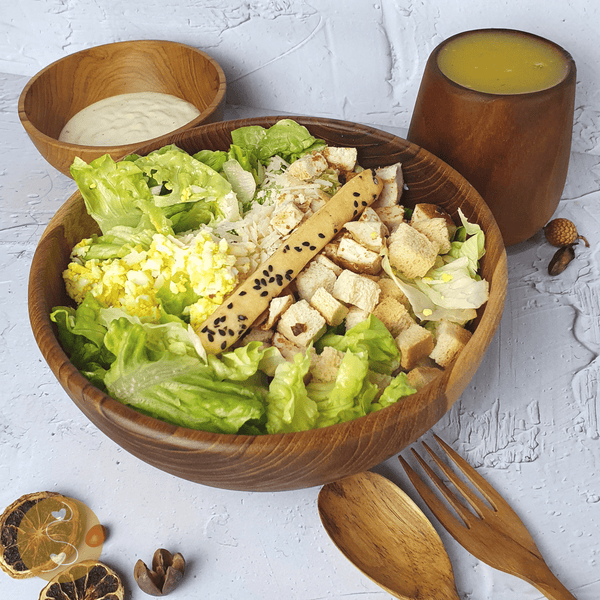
x,y
87,580
39,532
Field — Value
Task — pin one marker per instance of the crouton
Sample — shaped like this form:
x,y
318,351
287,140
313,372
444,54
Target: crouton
x,y
411,252
332,310
258,335
308,166
355,316
301,324
286,347
325,366
370,234
286,218
391,216
327,262
436,231
357,290
414,343
424,211
343,159
277,307
389,288
356,257
393,184
420,376
314,276
393,315
450,339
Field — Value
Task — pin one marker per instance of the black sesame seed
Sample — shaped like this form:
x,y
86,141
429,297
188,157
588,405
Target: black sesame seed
x,y
230,305
284,250
223,345
266,273
270,268
322,236
242,317
263,282
211,337
313,248
242,293
230,331
204,329
265,293
287,247
271,279
354,213
243,326
289,271
306,244
297,248
256,287
356,203
211,331
356,193
279,279
256,281
335,230
222,332
364,203
288,277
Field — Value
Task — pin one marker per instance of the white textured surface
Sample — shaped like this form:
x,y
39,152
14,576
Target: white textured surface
x,y
530,418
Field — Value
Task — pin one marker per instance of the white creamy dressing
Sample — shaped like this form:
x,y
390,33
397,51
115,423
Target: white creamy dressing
x,y
128,118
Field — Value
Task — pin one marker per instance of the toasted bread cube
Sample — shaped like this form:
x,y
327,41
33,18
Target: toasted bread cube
x,y
352,288
286,218
301,324
313,277
425,211
358,258
343,159
258,335
391,216
436,231
332,310
394,315
287,348
450,339
327,262
393,185
370,234
414,343
420,376
355,316
308,166
389,288
277,307
325,366
411,252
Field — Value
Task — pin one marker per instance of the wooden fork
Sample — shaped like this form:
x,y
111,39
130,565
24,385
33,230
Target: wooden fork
x,y
494,534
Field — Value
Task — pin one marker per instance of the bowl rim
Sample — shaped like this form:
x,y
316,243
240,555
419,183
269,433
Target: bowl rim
x,y
192,439
115,149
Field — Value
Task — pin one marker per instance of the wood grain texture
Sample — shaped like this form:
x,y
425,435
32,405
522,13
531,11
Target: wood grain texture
x,y
291,460
387,537
514,149
70,84
490,530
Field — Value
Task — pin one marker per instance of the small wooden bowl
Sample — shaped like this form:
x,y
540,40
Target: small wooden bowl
x,y
291,460
70,84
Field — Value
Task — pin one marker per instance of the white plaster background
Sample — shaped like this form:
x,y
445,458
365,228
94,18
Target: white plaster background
x,y
529,419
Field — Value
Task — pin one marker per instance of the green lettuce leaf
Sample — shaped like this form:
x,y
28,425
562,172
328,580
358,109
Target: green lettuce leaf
x,y
370,336
398,388
289,407
175,387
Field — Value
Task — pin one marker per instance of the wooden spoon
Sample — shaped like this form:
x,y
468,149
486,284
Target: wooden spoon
x,y
387,537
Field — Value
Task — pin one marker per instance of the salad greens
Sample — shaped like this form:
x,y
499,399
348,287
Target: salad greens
x,y
160,209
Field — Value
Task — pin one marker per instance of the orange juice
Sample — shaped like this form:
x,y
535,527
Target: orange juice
x,y
502,62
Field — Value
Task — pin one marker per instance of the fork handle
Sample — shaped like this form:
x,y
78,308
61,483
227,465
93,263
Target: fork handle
x,y
547,583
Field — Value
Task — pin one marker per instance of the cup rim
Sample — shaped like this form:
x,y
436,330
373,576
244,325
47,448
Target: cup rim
x,y
569,74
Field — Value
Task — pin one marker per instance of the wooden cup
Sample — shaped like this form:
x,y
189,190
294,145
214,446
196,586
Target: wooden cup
x,y
513,148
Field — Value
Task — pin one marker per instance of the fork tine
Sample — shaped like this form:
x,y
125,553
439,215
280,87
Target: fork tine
x,y
437,507
458,483
488,492
466,515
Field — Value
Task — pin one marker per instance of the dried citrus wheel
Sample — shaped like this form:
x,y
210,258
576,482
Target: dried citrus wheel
x,y
38,533
87,580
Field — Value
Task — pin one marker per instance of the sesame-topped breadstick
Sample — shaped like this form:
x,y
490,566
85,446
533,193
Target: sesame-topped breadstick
x,y
229,322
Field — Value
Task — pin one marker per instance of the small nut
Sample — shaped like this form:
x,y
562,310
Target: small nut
x,y
561,259
562,232
165,575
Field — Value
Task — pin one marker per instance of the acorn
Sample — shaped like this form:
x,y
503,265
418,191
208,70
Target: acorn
x,y
562,232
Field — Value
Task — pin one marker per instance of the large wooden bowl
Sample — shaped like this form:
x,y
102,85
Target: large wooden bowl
x,y
68,85
291,460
